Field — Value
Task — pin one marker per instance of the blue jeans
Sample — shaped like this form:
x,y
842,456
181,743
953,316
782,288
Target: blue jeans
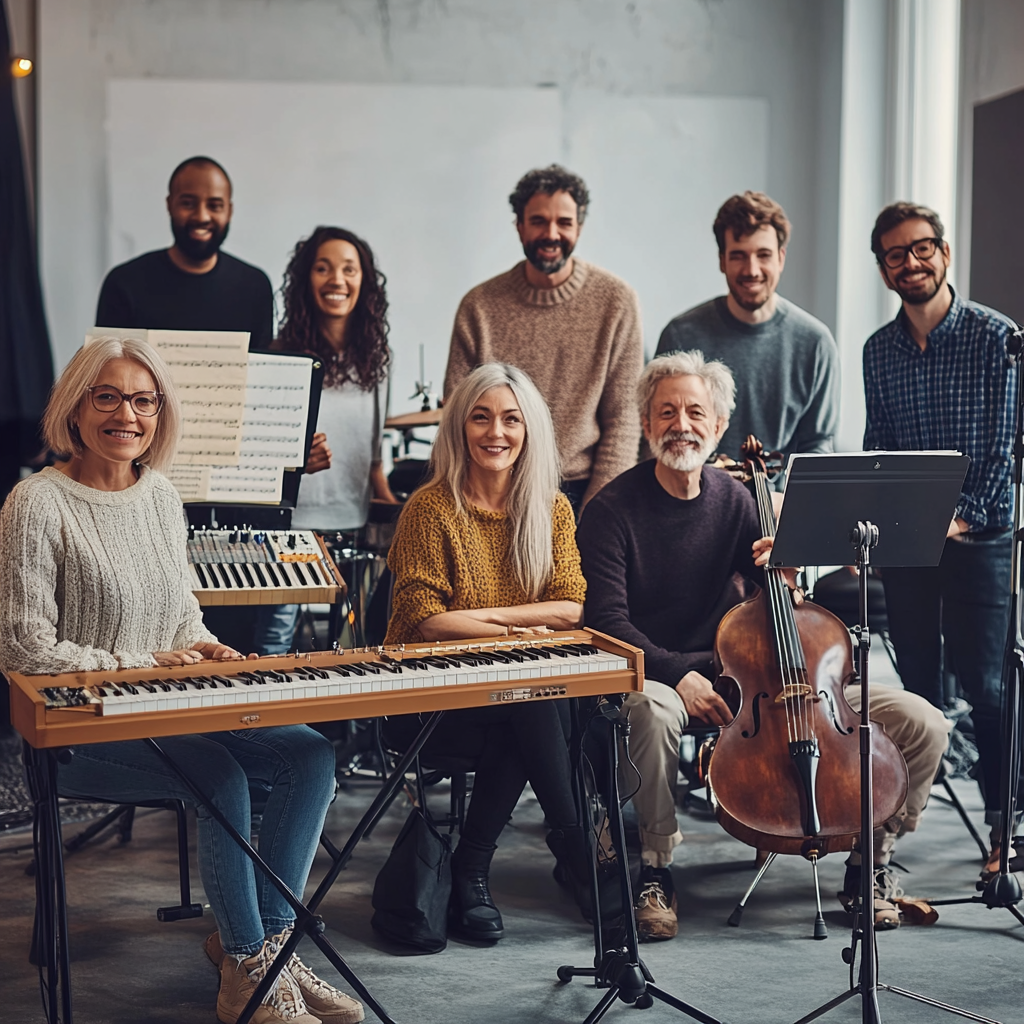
x,y
275,628
963,603
292,762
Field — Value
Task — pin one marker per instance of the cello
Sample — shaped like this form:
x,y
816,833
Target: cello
x,y
784,774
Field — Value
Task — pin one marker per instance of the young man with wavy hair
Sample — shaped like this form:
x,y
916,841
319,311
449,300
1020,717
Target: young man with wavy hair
x,y
784,361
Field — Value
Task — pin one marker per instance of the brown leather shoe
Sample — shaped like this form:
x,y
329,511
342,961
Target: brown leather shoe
x,y
656,906
238,980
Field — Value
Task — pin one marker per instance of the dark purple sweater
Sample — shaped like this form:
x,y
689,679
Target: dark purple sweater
x,y
661,571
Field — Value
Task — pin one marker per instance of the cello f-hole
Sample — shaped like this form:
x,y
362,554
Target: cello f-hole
x,y
755,713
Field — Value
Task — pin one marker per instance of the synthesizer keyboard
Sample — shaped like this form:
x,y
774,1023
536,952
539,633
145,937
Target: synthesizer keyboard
x,y
91,707
248,567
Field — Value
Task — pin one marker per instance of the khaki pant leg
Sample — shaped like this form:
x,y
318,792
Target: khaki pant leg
x,y
920,730
657,718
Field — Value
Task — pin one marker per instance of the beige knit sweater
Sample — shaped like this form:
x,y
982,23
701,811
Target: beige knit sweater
x,y
581,343
93,579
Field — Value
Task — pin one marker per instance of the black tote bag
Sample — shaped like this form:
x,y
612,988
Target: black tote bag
x,y
410,895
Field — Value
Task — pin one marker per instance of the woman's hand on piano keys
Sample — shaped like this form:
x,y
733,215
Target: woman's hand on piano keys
x,y
201,652
220,652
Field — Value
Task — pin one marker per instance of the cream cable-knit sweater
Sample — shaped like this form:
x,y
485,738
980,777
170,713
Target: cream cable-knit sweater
x,y
93,579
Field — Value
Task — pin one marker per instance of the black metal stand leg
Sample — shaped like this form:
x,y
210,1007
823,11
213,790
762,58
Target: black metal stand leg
x,y
619,970
50,931
306,922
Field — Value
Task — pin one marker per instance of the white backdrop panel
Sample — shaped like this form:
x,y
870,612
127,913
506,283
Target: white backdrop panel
x,y
423,173
658,168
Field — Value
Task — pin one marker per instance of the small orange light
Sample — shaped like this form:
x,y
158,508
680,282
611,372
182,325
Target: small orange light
x,y
21,67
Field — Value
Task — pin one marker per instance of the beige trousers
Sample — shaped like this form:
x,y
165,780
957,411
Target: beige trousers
x,y
657,718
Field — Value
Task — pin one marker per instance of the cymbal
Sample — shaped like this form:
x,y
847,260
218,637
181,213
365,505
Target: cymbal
x,y
408,420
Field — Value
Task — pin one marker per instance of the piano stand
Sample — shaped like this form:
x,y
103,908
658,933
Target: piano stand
x,y
619,968
50,933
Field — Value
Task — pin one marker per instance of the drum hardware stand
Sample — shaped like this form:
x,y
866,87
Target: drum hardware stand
x,y
619,970
864,537
51,897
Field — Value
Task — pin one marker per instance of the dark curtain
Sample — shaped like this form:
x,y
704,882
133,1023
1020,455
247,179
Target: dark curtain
x,y
26,366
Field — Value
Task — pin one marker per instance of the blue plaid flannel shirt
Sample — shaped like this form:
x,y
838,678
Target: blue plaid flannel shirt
x,y
958,393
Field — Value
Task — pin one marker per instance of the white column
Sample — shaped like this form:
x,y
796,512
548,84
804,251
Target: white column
x,y
898,141
926,70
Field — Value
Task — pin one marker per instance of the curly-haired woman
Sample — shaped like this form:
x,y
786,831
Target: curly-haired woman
x,y
335,306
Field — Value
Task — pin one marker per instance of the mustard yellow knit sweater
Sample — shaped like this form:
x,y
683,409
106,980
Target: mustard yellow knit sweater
x,y
445,560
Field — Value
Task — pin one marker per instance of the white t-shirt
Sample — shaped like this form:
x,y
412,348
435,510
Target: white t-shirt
x,y
339,498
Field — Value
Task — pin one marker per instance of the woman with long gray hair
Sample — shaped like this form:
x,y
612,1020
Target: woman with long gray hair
x,y
487,547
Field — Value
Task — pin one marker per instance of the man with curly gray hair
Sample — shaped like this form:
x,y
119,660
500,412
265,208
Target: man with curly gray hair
x,y
663,548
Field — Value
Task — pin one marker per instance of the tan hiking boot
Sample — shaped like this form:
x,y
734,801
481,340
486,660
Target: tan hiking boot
x,y
887,894
656,907
238,980
331,1005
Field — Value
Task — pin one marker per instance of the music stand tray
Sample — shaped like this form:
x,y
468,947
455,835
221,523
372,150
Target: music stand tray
x,y
909,496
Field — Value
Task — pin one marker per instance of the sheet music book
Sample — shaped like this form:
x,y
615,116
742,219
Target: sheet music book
x,y
245,414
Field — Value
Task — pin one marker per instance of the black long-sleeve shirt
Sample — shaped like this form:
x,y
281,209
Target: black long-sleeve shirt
x,y
151,292
661,571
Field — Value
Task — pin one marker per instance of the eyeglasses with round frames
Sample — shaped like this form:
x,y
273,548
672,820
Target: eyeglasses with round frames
x,y
923,249
108,399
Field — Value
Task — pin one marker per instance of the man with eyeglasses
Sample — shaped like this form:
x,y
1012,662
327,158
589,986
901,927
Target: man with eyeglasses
x,y
937,377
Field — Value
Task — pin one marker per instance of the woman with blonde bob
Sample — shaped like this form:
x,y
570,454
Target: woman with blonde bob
x,y
487,547
96,577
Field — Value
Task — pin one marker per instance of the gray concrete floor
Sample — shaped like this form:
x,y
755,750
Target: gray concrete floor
x,y
128,967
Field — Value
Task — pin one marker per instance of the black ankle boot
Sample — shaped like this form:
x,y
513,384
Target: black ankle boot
x,y
572,871
471,911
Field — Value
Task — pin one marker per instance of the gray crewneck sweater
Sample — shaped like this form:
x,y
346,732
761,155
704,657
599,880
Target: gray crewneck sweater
x,y
93,579
786,372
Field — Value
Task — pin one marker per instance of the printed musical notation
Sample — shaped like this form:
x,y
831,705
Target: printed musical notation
x,y
210,369
244,482
276,409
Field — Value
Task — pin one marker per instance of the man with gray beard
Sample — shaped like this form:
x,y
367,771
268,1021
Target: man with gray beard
x,y
664,547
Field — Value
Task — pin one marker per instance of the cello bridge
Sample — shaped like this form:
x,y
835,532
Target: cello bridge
x,y
791,691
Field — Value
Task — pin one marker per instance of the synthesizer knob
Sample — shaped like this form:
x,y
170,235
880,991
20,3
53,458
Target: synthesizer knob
x,y
246,536
291,540
233,538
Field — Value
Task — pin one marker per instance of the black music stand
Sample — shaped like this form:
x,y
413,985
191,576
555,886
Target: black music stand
x,y
900,505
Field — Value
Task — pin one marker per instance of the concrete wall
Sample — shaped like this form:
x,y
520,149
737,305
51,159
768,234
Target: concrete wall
x,y
786,51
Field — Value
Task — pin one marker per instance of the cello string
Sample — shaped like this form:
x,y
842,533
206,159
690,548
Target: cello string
x,y
794,669
782,641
